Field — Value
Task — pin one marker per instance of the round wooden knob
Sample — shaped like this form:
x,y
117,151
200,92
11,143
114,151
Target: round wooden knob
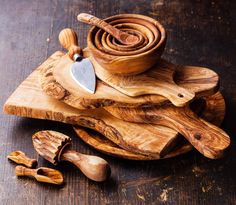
x,y
68,39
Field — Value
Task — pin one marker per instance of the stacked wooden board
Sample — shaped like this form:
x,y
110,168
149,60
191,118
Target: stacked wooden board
x,y
123,120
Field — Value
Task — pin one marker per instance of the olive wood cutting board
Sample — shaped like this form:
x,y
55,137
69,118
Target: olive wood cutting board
x,y
207,138
157,80
28,100
202,81
214,112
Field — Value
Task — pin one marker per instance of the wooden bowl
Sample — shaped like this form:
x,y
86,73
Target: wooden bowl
x,y
128,59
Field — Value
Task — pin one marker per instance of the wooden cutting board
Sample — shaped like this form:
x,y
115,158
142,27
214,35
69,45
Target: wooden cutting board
x,y
28,100
157,80
214,112
57,82
207,138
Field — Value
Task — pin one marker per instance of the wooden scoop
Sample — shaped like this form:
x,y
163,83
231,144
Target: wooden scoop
x,y
208,139
41,174
121,36
20,157
52,146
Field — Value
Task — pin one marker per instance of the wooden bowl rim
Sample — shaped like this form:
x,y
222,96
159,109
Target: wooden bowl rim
x,y
151,20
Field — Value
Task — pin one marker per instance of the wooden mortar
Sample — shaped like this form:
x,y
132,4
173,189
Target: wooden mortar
x,y
123,59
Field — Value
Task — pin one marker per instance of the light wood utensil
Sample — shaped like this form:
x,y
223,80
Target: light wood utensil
x,y
213,111
128,59
42,174
53,146
121,36
200,81
20,157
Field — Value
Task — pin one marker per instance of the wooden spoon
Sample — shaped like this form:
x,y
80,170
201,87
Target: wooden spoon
x,y
42,174
52,146
121,36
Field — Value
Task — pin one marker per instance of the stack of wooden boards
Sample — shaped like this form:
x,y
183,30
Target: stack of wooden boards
x,y
144,117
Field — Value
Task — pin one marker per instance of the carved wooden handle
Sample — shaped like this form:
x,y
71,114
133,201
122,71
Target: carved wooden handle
x,y
68,39
23,171
208,139
93,167
121,36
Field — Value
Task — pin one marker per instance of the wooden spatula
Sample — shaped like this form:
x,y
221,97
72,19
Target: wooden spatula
x,y
53,146
208,139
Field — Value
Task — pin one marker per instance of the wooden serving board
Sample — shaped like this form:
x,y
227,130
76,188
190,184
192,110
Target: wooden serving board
x,y
214,112
158,80
28,100
58,83
207,138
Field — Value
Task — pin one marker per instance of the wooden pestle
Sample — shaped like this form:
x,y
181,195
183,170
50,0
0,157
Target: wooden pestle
x,y
20,157
42,174
53,146
121,36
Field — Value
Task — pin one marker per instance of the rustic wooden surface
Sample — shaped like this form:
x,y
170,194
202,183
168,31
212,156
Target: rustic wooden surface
x,y
199,33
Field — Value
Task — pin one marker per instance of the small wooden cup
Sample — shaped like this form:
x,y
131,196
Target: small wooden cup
x,y
128,59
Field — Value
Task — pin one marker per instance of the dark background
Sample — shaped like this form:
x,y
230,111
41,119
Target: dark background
x,y
199,33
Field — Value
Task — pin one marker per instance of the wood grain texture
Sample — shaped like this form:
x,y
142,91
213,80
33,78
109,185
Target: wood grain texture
x,y
151,140
54,147
41,174
199,33
123,37
66,90
29,100
20,157
157,81
104,145
160,80
132,59
208,139
213,111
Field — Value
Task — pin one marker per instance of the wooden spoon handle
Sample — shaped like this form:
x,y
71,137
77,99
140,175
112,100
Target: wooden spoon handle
x,y
121,36
208,139
23,171
93,167
68,39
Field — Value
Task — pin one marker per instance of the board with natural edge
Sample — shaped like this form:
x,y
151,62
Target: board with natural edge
x,y
29,100
213,112
201,81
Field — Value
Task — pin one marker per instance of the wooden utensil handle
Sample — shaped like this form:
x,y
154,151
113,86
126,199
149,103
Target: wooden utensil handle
x,y
68,39
121,36
208,139
93,167
23,171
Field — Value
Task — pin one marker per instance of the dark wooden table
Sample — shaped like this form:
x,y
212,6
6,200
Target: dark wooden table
x,y
199,33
